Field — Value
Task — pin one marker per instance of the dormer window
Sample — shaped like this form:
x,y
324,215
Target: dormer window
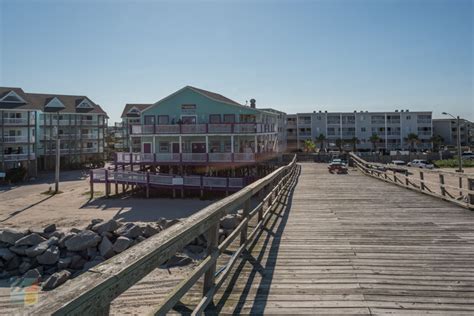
x,y
85,104
134,111
12,97
55,103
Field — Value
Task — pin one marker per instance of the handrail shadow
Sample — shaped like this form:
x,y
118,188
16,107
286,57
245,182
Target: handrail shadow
x,y
267,271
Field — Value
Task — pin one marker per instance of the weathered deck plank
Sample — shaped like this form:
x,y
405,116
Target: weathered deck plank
x,y
349,244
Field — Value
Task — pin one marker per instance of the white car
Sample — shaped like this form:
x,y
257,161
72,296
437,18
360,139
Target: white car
x,y
420,163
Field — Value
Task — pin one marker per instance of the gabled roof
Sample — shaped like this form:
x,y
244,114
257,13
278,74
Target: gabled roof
x,y
70,103
139,106
4,91
210,95
214,96
38,101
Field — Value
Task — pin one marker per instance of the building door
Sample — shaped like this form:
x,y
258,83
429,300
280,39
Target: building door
x,y
147,148
198,148
175,148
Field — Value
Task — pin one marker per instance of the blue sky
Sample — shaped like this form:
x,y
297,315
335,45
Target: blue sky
x,y
296,56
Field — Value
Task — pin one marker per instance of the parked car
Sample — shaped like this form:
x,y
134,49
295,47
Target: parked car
x,y
420,163
467,155
337,166
398,162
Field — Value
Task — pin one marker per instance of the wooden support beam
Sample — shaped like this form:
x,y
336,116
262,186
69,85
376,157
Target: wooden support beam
x,y
212,242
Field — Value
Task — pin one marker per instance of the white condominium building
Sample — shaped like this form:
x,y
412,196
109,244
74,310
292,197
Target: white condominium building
x,y
392,128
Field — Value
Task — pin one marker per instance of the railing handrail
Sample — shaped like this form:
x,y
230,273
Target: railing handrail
x,y
380,171
92,292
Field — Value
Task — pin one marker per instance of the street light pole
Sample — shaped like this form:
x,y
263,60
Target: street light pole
x,y
458,141
56,176
459,145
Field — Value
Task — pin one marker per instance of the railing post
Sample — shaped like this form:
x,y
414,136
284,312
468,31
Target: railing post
x,y
212,241
147,184
91,176
422,181
201,187
107,187
460,186
407,182
245,214
470,186
441,185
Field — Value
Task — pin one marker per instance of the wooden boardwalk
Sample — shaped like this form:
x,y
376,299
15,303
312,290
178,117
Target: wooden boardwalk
x,y
350,244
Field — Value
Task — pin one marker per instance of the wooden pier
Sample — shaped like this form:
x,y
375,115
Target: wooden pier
x,y
319,243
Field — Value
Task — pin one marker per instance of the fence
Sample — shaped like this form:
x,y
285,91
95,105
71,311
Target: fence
x,y
92,292
455,187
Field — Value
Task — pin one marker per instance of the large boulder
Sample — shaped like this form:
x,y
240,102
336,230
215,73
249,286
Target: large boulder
x,y
106,248
108,226
34,251
121,244
56,280
10,236
150,230
50,256
49,229
129,230
82,240
62,240
19,250
6,254
24,266
30,240
63,263
32,274
77,262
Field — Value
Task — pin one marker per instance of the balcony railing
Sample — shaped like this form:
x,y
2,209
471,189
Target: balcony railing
x,y
17,121
225,128
193,181
17,139
18,157
126,158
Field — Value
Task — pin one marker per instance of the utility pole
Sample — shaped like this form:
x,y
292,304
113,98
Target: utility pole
x,y
459,145
58,160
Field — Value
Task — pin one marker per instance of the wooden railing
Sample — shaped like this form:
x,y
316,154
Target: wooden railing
x,y
92,292
455,187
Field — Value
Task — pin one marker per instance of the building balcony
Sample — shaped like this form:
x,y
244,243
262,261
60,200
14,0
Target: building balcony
x,y
140,158
17,121
224,128
18,157
17,139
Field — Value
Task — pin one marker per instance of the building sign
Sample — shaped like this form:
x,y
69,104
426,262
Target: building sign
x,y
188,108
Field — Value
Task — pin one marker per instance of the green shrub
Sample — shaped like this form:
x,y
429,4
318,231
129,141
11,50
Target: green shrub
x,y
453,163
16,175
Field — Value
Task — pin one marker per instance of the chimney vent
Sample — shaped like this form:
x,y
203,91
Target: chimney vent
x,y
252,103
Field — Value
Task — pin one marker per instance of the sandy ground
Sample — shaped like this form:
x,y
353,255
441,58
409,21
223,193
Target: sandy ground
x,y
26,207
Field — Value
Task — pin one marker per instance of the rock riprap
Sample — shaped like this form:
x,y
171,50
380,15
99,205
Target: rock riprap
x,y
51,256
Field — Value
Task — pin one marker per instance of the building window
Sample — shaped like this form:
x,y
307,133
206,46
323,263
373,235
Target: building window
x,y
214,118
164,147
229,118
215,146
362,129
149,119
163,119
408,117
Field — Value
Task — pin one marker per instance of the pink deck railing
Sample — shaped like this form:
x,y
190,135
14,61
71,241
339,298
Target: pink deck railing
x,y
141,158
223,128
